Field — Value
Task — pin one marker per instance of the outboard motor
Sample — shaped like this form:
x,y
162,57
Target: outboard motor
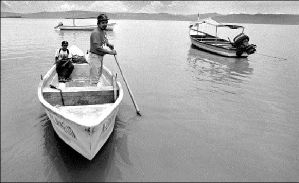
x,y
241,43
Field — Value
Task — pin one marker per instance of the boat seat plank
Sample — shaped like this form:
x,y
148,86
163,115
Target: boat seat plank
x,y
74,96
214,41
222,44
207,38
78,89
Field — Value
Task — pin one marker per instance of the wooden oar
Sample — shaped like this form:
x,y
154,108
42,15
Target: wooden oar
x,y
54,87
130,92
114,85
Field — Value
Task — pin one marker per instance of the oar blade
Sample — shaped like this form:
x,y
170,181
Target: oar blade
x,y
138,113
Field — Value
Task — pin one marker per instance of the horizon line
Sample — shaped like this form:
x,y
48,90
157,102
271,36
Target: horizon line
x,y
156,13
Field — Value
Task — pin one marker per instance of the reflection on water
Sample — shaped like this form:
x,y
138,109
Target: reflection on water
x,y
60,33
217,69
74,34
210,118
80,38
72,166
78,33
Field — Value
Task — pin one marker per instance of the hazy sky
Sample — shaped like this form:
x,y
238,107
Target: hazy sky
x,y
173,7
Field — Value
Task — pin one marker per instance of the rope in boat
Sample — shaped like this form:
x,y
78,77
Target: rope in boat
x,y
271,56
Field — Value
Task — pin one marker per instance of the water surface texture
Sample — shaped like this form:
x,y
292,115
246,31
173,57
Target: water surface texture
x,y
204,117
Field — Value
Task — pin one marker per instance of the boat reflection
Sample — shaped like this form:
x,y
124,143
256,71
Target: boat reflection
x,y
68,165
216,69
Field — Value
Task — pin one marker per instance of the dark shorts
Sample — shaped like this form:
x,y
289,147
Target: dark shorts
x,y
64,71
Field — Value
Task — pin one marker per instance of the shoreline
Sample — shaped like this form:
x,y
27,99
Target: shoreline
x,y
279,19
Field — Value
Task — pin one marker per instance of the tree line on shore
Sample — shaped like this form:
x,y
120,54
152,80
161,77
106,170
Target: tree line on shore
x,y
231,18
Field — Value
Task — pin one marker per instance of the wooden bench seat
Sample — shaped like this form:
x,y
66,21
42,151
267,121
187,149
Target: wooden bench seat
x,y
74,96
217,42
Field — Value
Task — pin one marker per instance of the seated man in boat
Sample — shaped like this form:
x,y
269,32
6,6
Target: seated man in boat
x,y
98,48
63,61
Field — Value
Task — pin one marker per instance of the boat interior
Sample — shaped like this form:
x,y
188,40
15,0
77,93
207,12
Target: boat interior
x,y
79,91
212,40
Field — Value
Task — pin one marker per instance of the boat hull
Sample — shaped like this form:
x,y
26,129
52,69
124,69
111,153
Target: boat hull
x,y
85,140
226,52
110,27
83,126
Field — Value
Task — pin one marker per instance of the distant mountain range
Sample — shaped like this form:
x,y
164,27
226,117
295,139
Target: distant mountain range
x,y
287,19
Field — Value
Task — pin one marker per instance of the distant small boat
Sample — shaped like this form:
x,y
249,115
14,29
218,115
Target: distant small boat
x,y
82,115
214,44
60,26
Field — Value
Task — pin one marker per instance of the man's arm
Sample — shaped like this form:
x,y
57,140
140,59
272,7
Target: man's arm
x,y
106,51
111,46
100,49
97,44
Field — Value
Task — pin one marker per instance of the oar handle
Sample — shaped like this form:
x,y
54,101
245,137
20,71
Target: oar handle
x,y
54,87
130,92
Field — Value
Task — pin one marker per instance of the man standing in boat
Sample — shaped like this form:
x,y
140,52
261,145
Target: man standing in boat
x,y
99,46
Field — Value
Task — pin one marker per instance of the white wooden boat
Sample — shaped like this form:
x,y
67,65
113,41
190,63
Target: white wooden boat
x,y
60,26
82,115
214,44
110,27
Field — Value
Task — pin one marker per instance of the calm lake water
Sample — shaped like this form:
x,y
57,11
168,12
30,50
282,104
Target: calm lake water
x,y
204,117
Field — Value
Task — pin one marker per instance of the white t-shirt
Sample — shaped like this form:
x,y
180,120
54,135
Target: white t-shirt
x,y
62,54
